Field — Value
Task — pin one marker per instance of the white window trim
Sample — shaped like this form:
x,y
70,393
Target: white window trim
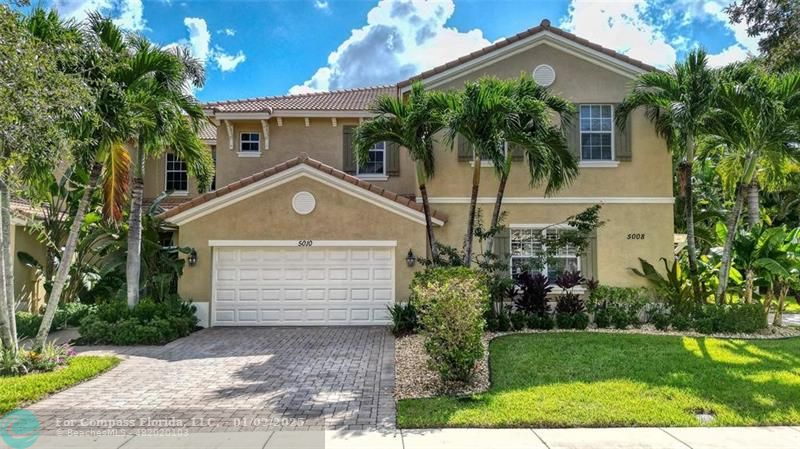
x,y
597,163
541,228
241,153
375,176
166,170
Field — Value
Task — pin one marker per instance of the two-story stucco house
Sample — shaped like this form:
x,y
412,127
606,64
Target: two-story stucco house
x,y
296,234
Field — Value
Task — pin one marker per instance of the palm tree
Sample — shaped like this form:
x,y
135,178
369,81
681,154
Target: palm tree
x,y
481,114
410,124
156,80
754,129
119,114
542,144
678,103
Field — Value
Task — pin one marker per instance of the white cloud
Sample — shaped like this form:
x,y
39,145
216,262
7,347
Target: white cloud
x,y
227,62
401,38
127,14
731,54
199,44
321,4
227,31
623,27
131,16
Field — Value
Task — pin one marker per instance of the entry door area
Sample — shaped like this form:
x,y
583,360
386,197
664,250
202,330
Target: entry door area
x,y
302,285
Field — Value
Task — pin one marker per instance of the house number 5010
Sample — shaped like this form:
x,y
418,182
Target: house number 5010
x,y
305,242
635,236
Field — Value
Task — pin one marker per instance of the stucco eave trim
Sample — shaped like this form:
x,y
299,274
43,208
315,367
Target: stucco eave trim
x,y
545,37
288,175
559,200
294,243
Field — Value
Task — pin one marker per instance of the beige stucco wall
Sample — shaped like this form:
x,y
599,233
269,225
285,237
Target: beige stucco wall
x,y
28,287
616,254
269,216
321,140
648,174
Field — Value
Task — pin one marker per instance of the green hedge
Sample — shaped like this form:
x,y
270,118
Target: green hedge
x,y
147,323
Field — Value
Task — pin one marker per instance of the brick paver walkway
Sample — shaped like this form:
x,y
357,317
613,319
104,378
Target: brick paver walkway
x,y
245,379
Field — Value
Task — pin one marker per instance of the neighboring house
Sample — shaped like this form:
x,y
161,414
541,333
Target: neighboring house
x,y
28,283
296,234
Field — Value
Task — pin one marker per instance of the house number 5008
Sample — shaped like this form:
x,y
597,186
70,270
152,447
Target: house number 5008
x,y
305,242
635,236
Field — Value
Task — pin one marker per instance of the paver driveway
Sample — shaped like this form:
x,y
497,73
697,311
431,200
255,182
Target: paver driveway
x,y
238,379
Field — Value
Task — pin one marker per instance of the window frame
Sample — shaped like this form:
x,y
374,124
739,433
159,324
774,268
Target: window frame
x,y
542,228
167,171
375,176
249,153
612,133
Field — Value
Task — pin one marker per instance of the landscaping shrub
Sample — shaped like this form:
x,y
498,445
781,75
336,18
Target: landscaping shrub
x,y
519,320
69,314
534,288
148,323
580,321
732,318
451,304
681,322
404,318
497,320
660,319
50,357
564,320
617,306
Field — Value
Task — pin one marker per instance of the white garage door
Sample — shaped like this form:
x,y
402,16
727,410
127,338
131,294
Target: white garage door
x,y
302,286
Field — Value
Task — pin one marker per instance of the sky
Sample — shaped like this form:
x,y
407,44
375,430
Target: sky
x,y
254,48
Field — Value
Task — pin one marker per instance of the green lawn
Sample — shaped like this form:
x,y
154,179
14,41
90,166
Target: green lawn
x,y
19,390
596,380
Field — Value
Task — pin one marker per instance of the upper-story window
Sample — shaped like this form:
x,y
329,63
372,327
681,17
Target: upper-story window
x,y
597,132
249,142
376,161
177,180
529,252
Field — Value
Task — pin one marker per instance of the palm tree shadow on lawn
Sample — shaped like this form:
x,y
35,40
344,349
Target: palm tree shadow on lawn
x,y
570,380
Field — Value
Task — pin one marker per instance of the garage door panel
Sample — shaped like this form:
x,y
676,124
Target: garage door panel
x,y
298,286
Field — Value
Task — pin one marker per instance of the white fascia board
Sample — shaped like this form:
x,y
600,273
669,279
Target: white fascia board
x,y
289,175
544,37
294,243
559,200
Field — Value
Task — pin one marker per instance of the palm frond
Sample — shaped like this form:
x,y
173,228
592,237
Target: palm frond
x,y
116,181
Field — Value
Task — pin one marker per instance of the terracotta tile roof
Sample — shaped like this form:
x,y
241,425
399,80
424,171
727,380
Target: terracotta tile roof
x,y
302,159
544,26
207,131
341,100
24,209
166,203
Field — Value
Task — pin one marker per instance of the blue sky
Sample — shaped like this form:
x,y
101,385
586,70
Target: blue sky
x,y
271,47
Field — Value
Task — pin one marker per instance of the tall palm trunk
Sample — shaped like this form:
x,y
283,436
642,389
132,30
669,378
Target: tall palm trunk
x,y
426,208
5,327
473,204
9,322
727,250
753,213
67,256
133,263
688,210
498,205
422,179
778,320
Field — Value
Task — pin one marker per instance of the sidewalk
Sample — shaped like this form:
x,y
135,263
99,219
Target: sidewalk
x,y
621,438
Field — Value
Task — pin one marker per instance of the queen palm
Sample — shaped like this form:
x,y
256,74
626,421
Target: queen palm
x,y
481,113
169,119
753,130
411,124
678,103
540,142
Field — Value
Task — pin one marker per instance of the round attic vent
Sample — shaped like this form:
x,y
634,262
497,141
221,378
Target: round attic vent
x,y
303,203
544,75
